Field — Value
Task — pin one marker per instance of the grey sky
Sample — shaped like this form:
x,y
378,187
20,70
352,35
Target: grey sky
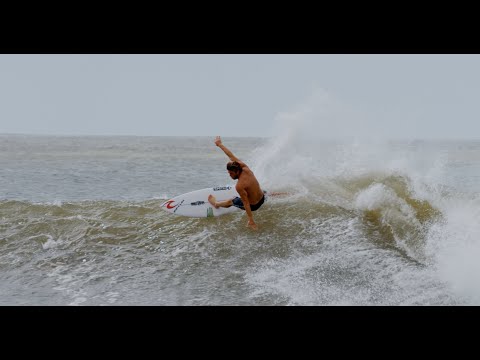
x,y
412,96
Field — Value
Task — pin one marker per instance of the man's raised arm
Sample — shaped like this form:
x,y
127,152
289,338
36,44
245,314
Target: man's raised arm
x,y
227,152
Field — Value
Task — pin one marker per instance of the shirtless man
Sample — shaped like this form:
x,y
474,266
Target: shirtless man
x,y
251,195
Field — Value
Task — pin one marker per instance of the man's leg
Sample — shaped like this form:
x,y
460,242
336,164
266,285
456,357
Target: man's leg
x,y
226,203
278,193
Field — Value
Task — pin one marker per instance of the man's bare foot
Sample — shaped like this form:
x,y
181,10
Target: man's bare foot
x,y
212,200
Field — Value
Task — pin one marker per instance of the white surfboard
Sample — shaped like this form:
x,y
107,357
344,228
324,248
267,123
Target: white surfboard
x,y
195,203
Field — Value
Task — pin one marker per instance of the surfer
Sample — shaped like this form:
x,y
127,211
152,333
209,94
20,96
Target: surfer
x,y
251,195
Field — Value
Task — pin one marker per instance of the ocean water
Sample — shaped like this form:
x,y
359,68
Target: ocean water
x,y
366,223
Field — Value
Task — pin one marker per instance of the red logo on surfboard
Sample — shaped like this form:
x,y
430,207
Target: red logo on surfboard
x,y
168,204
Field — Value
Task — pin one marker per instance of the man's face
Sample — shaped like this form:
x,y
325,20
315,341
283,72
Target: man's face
x,y
233,174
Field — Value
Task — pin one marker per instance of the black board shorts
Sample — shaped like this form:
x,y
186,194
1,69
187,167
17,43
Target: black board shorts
x,y
237,202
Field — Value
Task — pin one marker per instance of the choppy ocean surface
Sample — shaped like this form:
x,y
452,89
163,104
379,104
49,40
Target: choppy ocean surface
x,y
367,223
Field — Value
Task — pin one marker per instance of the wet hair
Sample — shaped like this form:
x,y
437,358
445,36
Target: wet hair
x,y
234,166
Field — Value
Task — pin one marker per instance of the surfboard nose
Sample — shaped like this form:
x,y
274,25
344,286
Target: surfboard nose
x,y
169,204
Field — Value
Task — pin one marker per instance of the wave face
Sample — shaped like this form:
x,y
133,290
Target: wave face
x,y
365,223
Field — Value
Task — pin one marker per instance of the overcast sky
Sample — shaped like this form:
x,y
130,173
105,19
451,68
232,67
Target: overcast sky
x,y
412,96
